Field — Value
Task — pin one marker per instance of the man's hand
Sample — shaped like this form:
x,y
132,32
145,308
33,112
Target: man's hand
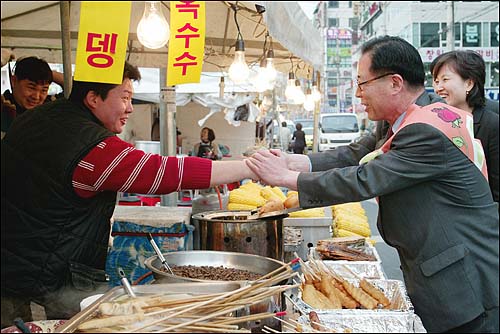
x,y
296,162
272,168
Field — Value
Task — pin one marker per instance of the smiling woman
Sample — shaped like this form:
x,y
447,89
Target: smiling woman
x,y
459,78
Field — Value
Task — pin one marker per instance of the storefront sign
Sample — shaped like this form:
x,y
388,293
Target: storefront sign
x,y
429,54
336,33
186,46
102,41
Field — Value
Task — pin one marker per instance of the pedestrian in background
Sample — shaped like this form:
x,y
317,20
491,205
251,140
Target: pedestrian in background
x,y
459,78
299,139
285,136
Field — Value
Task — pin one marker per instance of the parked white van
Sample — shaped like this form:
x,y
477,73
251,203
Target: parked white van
x,y
337,129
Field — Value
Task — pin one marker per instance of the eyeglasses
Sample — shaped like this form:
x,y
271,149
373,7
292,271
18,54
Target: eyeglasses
x,y
359,84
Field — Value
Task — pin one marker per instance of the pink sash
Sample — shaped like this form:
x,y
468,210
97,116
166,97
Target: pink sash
x,y
456,124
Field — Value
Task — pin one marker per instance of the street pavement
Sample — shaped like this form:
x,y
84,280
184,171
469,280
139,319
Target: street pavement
x,y
388,254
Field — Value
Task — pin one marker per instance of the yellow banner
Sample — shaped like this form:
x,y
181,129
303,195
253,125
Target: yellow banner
x,y
102,41
186,46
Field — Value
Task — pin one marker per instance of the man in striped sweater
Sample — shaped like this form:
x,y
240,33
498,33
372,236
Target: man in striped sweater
x,y
62,166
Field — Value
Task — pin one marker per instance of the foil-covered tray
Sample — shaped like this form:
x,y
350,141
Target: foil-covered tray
x,y
351,269
182,290
370,323
394,290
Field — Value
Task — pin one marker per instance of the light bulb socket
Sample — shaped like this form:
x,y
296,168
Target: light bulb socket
x,y
270,54
240,45
291,76
297,82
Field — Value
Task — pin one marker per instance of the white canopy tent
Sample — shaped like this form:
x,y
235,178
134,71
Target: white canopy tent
x,y
34,28
44,29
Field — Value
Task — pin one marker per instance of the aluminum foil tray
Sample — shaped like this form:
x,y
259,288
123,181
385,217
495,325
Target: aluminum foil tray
x,y
393,289
117,293
364,269
372,323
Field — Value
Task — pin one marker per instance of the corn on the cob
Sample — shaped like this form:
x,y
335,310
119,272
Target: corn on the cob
x,y
239,206
269,194
245,197
278,192
352,218
344,233
315,212
354,208
252,186
360,229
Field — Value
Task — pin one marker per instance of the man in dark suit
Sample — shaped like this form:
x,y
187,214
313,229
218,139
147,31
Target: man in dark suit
x,y
435,205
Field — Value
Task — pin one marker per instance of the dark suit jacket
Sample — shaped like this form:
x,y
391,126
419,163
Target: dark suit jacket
x,y
486,129
436,209
349,155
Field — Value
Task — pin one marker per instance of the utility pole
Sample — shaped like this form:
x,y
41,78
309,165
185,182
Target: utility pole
x,y
450,30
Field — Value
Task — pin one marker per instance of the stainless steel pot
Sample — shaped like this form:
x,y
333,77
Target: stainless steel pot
x,y
231,231
255,263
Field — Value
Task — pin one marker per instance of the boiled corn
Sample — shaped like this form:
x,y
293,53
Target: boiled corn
x,y
269,194
242,196
277,191
239,206
315,212
360,229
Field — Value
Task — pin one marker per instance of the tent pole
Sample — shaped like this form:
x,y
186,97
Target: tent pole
x,y
167,128
64,8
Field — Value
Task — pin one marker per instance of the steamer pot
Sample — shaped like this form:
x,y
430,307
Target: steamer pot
x,y
232,231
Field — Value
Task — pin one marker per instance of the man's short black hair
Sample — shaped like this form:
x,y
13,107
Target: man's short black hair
x,y
34,69
392,54
283,124
80,89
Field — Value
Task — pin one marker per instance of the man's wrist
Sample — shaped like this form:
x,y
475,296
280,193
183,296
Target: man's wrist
x,y
290,179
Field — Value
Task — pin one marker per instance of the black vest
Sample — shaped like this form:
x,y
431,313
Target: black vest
x,y
45,225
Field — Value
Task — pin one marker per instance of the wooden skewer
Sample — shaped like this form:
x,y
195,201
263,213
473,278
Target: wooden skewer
x,y
285,266
305,268
352,272
271,330
218,313
252,317
295,304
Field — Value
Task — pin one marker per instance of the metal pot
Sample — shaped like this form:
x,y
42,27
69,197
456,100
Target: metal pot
x,y
231,231
255,263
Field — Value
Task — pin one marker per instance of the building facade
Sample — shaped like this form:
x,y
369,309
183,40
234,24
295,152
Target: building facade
x,y
347,24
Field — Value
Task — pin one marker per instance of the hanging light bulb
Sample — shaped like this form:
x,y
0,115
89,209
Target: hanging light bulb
x,y
299,94
239,71
290,87
261,83
309,100
153,31
270,72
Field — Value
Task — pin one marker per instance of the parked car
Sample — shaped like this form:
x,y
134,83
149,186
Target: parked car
x,y
337,129
306,122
